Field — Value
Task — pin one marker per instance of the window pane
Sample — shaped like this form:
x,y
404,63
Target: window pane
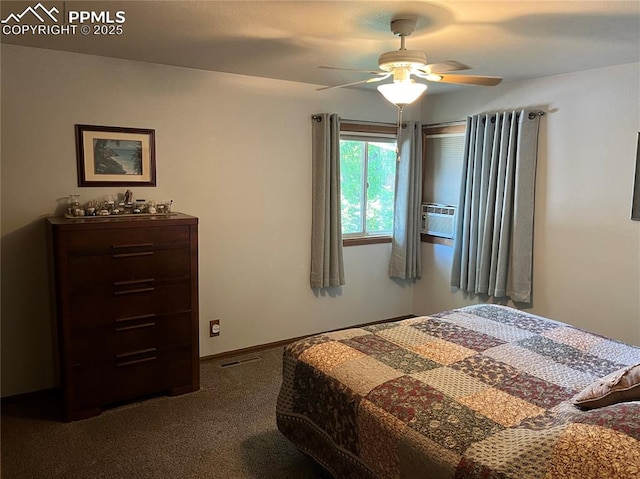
x,y
352,155
381,178
444,154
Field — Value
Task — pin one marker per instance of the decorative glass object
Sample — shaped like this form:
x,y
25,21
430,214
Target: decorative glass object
x,y
108,206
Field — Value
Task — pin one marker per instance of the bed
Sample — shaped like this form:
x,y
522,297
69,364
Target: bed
x,y
484,391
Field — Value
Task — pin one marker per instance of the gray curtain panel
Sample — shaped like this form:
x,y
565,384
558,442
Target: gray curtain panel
x,y
406,251
493,248
327,267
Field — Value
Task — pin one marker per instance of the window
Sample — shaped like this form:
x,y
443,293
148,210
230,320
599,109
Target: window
x,y
442,168
367,182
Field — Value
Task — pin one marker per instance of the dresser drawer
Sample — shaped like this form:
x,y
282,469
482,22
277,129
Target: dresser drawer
x,y
97,384
101,307
100,345
125,240
102,271
159,332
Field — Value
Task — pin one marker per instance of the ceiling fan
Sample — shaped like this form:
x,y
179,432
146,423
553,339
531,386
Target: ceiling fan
x,y
403,63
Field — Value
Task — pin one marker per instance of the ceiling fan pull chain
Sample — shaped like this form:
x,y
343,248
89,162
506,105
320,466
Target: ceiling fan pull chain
x,y
399,133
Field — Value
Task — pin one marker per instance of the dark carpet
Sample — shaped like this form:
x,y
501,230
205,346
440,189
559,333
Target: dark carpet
x,y
226,430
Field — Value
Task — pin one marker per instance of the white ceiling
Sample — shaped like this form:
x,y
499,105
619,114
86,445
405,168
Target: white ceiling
x,y
289,40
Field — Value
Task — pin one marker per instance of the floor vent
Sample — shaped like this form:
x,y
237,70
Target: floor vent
x,y
238,362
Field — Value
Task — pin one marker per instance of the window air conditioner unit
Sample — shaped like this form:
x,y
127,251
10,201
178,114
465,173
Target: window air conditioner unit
x,y
438,220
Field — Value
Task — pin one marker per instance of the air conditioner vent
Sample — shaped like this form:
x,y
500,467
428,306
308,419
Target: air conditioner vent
x,y
438,220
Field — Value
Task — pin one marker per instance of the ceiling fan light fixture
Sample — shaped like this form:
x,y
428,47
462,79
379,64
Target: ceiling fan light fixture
x,y
403,63
401,59
402,93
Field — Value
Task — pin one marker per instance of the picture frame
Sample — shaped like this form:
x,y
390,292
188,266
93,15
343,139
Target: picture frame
x,y
115,156
635,205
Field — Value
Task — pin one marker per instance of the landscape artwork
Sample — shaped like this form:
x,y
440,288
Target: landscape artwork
x,y
115,156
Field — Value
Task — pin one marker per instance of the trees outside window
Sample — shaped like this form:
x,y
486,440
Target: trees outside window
x,y
367,182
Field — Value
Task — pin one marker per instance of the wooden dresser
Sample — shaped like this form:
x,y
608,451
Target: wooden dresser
x,y
126,294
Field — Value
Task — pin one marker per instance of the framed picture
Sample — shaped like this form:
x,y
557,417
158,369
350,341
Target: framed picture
x,y
115,156
635,206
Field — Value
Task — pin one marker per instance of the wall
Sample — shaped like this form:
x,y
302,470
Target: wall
x,y
232,150
586,249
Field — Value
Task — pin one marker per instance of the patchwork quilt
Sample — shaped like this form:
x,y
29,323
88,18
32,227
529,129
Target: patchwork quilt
x,y
477,392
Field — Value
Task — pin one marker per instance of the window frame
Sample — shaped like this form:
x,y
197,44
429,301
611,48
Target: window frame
x,y
370,130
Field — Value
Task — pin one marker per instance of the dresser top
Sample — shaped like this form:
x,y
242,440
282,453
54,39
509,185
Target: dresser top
x,y
121,221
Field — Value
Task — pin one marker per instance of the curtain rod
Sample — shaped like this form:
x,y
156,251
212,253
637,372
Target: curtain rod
x,y
532,115
357,122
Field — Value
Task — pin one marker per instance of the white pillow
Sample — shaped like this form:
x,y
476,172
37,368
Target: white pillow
x,y
619,386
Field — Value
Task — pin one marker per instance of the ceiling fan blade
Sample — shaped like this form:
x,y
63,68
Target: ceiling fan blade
x,y
443,67
468,79
370,72
370,80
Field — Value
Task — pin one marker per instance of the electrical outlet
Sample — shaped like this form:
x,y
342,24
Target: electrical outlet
x,y
214,328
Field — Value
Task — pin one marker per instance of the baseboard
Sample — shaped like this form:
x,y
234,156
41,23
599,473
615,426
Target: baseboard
x,y
249,350
52,393
284,342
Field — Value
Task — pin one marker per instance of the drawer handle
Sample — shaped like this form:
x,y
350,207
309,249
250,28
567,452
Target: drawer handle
x,y
135,353
133,291
120,321
135,318
136,361
148,351
129,255
135,326
133,281
141,245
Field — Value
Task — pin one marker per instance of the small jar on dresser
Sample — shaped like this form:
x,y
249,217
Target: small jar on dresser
x,y
126,309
